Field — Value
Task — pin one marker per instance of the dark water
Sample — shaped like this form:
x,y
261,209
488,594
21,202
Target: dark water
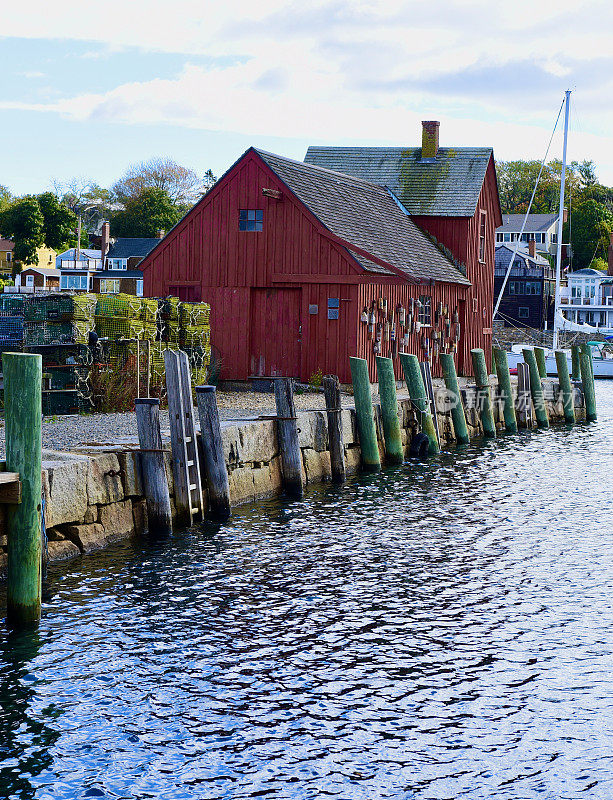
x,y
438,631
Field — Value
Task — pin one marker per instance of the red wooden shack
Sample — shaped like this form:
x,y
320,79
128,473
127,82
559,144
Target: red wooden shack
x,y
304,267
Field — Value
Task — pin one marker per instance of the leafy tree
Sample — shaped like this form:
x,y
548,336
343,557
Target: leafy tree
x,y
59,221
182,185
587,174
24,223
600,264
145,214
5,198
590,226
516,181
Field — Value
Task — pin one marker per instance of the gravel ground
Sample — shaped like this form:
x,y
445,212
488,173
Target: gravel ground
x,y
67,432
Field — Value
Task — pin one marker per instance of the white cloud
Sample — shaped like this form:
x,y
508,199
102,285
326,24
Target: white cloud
x,y
341,71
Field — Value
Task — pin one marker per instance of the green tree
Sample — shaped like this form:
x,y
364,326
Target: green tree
x,y
60,222
5,199
24,223
516,181
146,214
590,226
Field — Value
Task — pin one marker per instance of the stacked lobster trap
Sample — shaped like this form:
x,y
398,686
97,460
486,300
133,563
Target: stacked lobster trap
x,y
11,323
59,328
95,345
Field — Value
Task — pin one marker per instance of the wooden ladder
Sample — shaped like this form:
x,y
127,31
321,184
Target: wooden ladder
x,y
185,464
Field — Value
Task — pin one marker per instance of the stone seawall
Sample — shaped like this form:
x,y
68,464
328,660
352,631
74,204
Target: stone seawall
x,y
93,497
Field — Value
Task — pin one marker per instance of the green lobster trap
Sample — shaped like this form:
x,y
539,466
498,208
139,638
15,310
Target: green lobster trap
x,y
79,355
61,308
69,401
69,377
194,314
127,306
114,328
12,305
195,336
36,333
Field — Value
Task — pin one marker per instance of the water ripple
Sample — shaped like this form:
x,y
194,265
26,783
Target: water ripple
x,y
437,631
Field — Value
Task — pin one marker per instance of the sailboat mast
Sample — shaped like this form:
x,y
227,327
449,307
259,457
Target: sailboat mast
x,y
556,307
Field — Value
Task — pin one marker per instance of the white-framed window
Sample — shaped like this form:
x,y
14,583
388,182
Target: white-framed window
x,y
482,234
117,263
109,286
9,257
29,280
139,287
424,314
76,282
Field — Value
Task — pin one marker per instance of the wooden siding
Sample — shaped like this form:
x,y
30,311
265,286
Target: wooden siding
x,y
207,257
449,294
461,236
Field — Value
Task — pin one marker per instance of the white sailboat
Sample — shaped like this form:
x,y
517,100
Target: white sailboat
x,y
602,358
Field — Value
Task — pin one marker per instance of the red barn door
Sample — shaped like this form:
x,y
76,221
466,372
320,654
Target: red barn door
x,y
275,332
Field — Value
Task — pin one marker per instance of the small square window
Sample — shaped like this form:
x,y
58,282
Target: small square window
x,y
333,302
523,313
250,219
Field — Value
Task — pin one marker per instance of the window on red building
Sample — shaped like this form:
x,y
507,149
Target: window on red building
x,y
250,219
482,234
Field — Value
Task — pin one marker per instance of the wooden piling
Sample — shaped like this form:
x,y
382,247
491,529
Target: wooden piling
x,y
153,467
587,379
214,460
536,389
575,351
524,401
332,395
392,435
504,384
585,348
541,361
566,388
22,411
364,412
483,392
419,399
287,433
458,417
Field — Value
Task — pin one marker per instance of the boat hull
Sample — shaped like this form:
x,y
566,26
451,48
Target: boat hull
x,y
603,367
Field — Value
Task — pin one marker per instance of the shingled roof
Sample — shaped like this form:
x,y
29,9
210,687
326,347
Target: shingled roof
x,y
511,223
446,186
131,248
367,216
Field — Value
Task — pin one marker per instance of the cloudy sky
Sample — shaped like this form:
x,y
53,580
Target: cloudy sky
x,y
86,89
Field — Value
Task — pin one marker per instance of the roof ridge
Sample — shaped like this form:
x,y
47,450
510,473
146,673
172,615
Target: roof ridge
x,y
316,168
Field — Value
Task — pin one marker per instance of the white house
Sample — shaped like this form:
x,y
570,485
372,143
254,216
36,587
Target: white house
x,y
540,228
589,298
78,268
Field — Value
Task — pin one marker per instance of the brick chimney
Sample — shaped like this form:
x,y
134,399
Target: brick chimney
x,y
105,241
564,215
610,256
429,138
532,248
